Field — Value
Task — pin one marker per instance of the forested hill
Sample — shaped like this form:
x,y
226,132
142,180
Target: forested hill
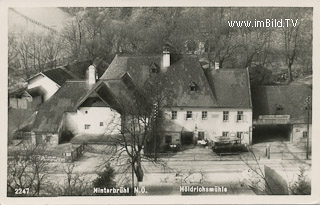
x,y
218,35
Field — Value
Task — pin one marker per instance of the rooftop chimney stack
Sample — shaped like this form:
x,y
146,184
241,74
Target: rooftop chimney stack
x,y
216,66
92,75
165,58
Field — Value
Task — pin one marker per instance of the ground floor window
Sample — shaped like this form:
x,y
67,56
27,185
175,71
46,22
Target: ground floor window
x,y
239,135
225,134
200,135
168,139
86,127
189,114
305,134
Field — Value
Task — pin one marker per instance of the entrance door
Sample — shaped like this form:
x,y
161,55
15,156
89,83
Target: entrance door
x,y
187,138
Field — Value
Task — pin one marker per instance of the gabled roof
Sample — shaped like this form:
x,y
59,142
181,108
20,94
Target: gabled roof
x,y
231,87
50,113
290,98
182,71
58,75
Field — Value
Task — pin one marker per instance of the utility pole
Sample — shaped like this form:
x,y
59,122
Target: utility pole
x,y
308,102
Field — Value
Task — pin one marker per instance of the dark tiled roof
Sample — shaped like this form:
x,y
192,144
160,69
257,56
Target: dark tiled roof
x,y
79,68
231,88
289,99
51,112
58,75
178,77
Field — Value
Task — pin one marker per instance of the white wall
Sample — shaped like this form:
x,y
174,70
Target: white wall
x,y
110,118
214,125
49,86
297,132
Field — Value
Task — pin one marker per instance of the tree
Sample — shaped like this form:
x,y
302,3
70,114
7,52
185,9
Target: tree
x,y
27,168
105,178
303,185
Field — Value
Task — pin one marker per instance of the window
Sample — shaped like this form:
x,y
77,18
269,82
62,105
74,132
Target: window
x,y
86,112
240,116
239,134
193,86
225,116
86,127
189,114
225,134
174,115
168,139
204,115
154,68
279,107
304,134
101,124
200,135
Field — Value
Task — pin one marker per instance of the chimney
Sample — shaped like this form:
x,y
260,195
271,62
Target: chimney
x,y
92,75
216,65
165,58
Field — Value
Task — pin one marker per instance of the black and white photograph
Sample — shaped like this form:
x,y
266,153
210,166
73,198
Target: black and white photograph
x,y
131,102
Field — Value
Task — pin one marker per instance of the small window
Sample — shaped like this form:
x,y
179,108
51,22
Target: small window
x,y
168,139
193,86
204,115
279,107
86,112
189,114
200,135
154,68
225,116
225,134
174,115
240,116
86,127
101,124
305,134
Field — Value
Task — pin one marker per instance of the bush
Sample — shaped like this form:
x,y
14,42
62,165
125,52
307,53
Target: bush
x,y
105,178
303,185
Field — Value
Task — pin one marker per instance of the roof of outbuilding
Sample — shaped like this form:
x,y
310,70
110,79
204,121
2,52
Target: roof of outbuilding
x,y
58,75
290,98
50,113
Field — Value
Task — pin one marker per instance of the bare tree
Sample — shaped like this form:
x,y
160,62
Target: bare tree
x,y
27,168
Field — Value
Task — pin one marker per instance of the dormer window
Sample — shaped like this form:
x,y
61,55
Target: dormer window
x,y
193,86
154,68
279,107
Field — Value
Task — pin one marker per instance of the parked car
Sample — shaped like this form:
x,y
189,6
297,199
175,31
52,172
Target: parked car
x,y
173,147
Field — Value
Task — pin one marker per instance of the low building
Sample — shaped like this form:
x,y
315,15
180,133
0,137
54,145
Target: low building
x,y
282,113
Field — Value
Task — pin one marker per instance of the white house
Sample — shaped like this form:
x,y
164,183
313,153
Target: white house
x,y
203,104
49,81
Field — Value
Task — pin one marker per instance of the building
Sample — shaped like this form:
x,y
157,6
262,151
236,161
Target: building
x,y
202,104
281,113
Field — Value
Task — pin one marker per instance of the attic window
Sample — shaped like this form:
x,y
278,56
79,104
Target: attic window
x,y
193,86
279,107
154,68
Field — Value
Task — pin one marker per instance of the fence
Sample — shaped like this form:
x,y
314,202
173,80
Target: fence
x,y
231,157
